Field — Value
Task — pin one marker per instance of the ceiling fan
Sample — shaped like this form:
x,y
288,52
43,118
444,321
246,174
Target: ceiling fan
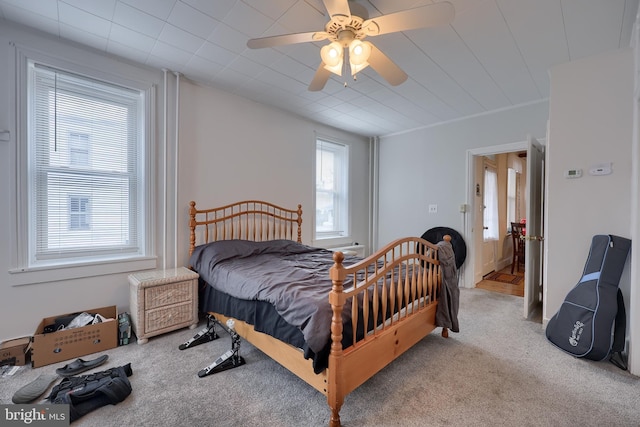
x,y
346,32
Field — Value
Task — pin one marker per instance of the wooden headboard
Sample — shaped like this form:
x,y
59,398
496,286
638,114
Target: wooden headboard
x,y
248,220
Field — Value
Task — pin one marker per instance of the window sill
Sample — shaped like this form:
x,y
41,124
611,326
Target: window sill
x,y
330,242
20,277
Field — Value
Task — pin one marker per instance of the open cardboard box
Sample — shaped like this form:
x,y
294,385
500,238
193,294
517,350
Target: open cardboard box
x,y
15,351
52,347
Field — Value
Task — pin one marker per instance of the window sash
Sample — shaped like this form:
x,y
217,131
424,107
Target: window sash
x,y
490,219
85,138
331,190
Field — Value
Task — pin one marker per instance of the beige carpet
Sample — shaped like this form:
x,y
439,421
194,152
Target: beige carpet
x,y
498,371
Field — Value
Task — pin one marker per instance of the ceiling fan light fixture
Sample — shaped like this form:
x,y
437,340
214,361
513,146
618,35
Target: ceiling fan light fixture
x,y
359,52
331,55
349,24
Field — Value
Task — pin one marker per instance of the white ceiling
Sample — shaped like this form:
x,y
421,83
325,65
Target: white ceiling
x,y
494,55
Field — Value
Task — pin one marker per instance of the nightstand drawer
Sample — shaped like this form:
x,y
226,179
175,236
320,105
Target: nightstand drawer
x,y
168,317
159,296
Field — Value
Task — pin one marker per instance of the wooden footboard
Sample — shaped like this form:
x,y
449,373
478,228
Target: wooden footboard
x,y
399,287
391,295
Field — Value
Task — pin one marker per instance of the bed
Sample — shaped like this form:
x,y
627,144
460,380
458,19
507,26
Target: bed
x,y
371,309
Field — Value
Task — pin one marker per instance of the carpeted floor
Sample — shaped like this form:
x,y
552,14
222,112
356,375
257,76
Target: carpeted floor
x,y
499,370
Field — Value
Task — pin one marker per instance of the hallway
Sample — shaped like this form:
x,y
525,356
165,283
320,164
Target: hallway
x,y
504,282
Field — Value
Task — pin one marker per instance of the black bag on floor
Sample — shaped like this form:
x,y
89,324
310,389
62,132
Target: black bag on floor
x,y
584,324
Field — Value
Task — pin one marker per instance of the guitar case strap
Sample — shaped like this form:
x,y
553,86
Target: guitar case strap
x,y
617,356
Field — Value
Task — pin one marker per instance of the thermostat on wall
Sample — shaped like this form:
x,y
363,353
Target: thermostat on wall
x,y
600,169
573,173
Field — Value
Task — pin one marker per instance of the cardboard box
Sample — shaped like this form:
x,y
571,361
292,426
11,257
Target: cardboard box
x,y
15,352
52,347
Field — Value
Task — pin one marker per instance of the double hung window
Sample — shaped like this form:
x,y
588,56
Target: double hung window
x,y
332,199
84,171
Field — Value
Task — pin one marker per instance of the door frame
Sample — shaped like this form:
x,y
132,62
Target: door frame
x,y
468,273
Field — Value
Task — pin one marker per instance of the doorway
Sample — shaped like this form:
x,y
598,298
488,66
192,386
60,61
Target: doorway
x,y
530,168
501,182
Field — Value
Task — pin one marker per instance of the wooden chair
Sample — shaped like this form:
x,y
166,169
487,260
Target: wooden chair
x,y
517,234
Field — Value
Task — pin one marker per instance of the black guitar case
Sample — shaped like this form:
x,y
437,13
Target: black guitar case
x,y
584,324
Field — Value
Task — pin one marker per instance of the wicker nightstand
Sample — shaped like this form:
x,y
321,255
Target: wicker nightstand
x,y
163,301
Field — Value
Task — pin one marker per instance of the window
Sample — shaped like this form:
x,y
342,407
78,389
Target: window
x,y
79,213
85,150
511,198
332,207
79,149
490,204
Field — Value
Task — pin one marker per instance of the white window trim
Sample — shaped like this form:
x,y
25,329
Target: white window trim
x,y
330,242
20,267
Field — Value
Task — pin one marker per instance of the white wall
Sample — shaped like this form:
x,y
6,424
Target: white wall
x,y
229,149
591,122
233,149
428,166
26,298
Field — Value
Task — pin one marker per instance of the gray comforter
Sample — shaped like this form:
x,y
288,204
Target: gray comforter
x,y
291,276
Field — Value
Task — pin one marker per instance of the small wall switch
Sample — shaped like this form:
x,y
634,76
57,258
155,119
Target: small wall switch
x,y
4,135
433,209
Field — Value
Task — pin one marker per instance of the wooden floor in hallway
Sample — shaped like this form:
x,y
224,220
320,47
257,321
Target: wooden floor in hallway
x,y
504,282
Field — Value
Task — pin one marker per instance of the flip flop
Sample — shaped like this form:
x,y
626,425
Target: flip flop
x,y
79,365
36,388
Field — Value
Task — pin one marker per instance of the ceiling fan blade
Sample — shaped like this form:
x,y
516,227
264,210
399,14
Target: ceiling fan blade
x,y
287,39
430,15
337,7
320,78
386,67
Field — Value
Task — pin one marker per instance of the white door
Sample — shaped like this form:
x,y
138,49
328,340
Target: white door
x,y
533,246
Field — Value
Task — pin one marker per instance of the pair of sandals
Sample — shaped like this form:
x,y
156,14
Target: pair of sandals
x,y
39,386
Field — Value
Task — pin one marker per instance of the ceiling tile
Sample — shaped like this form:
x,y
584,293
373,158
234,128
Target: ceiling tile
x,y
215,53
102,8
137,20
592,26
78,18
217,9
83,37
246,66
171,53
192,20
247,20
158,8
181,39
48,9
127,51
233,40
273,8
135,40
302,18
31,19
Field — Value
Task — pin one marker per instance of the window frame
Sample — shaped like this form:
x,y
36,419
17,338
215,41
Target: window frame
x,y
332,238
27,273
83,202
